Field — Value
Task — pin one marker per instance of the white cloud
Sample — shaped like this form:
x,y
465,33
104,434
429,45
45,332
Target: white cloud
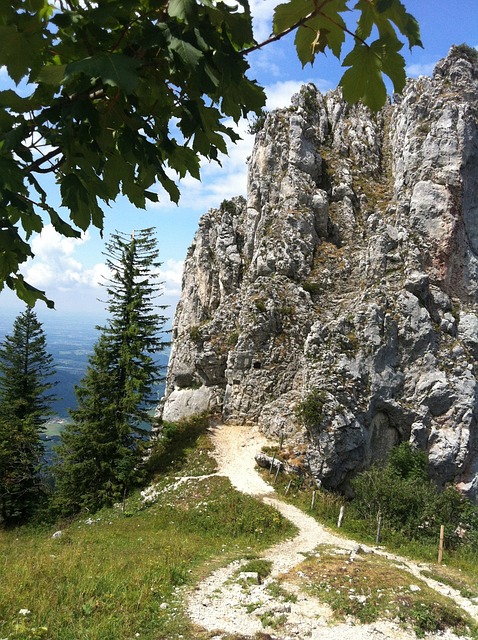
x,y
279,94
218,181
55,266
415,70
262,11
171,274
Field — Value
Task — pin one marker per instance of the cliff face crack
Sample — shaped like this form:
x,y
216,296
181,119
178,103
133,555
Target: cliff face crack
x,y
364,287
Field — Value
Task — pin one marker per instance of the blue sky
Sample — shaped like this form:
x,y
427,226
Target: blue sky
x,y
69,270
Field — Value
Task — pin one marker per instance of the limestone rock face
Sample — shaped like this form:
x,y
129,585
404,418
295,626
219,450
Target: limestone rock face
x,y
351,269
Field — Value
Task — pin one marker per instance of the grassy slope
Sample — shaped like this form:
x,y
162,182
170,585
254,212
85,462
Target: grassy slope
x,y
122,575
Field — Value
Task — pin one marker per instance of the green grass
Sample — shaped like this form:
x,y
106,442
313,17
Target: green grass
x,y
185,449
125,573
371,588
460,565
257,565
54,428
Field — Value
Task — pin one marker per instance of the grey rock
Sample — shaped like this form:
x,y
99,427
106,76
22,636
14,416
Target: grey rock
x,y
185,403
468,331
351,269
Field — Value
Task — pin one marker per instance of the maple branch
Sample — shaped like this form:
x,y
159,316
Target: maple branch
x,y
301,23
280,35
37,164
50,169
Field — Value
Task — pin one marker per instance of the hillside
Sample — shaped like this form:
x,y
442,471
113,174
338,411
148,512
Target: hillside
x,y
193,558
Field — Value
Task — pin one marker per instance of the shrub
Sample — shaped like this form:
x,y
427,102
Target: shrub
x,y
195,334
257,123
465,51
408,500
309,412
312,287
260,305
408,462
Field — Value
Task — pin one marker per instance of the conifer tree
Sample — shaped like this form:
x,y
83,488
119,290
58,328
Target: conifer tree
x,y
26,368
100,457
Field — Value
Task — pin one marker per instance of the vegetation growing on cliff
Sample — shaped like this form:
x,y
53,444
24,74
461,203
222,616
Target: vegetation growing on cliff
x,y
401,493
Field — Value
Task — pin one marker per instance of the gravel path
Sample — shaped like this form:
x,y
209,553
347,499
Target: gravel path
x,y
229,601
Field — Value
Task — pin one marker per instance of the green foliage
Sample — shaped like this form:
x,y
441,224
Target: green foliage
x,y
195,334
173,448
230,206
21,454
100,457
257,123
310,411
260,305
25,369
408,462
409,501
232,339
119,94
313,288
465,51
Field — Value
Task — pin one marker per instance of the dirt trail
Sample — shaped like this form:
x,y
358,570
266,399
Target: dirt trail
x,y
221,603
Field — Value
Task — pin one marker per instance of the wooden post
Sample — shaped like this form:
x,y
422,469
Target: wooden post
x,y
272,464
277,473
379,528
440,547
281,440
288,487
341,516
313,500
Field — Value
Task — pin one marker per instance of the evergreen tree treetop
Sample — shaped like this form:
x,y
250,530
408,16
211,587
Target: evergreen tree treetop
x,y
26,368
101,454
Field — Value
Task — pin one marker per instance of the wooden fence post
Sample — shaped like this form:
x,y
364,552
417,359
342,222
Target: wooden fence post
x,y
288,487
277,473
379,528
341,516
440,546
272,464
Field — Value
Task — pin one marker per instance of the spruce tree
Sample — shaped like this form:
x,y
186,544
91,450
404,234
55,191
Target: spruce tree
x,y
26,368
101,453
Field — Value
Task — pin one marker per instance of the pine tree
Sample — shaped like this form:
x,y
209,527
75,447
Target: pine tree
x,y
25,371
102,450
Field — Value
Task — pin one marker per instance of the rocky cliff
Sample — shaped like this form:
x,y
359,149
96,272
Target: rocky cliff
x,y
348,279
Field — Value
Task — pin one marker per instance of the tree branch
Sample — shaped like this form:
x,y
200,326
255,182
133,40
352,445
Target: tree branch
x,y
37,164
317,11
280,35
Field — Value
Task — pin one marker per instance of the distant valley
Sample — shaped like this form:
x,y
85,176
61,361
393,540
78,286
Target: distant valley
x,y
71,345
